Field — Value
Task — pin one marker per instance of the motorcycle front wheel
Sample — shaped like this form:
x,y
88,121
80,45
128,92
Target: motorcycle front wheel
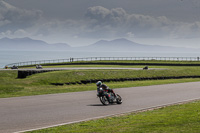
x,y
104,100
119,99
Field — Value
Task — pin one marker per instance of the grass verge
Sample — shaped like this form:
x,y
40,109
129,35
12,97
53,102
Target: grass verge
x,y
39,84
182,118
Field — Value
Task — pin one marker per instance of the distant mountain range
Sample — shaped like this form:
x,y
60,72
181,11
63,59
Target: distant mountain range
x,y
102,45
127,45
30,44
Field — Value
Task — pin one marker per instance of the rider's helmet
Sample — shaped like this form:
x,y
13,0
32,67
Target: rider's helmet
x,y
99,83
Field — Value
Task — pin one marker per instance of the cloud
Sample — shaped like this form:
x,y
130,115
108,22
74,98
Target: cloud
x,y
13,18
117,19
98,23
117,22
186,30
105,16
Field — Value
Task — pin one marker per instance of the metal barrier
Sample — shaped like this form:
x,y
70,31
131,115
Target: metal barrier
x,y
27,63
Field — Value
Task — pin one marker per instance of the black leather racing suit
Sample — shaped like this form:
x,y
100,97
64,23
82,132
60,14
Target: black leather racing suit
x,y
106,90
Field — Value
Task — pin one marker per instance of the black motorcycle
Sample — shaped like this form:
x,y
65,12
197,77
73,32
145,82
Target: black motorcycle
x,y
103,96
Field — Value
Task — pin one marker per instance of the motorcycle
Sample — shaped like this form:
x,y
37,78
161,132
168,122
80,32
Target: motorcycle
x,y
113,98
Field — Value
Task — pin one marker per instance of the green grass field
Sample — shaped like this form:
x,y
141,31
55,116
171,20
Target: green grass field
x,y
39,84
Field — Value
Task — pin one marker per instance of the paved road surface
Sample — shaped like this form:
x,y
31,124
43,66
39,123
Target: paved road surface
x,y
24,113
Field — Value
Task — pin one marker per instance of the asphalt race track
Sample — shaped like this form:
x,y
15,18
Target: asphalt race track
x,y
81,68
34,112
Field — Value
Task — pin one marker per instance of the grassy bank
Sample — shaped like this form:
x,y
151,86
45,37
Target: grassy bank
x,y
173,119
39,84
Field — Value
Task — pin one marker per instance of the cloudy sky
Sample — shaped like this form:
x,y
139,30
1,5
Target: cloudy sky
x,y
83,22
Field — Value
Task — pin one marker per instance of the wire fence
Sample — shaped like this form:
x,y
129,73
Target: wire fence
x,y
28,63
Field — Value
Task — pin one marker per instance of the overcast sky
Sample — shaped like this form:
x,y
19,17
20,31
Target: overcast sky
x,y
83,22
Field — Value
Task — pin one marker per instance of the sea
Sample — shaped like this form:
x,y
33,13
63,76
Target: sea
x,y
9,57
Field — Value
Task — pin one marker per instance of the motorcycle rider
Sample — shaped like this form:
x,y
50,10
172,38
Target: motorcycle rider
x,y
105,89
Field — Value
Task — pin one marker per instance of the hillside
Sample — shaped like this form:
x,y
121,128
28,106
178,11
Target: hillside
x,y
30,44
102,45
126,45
